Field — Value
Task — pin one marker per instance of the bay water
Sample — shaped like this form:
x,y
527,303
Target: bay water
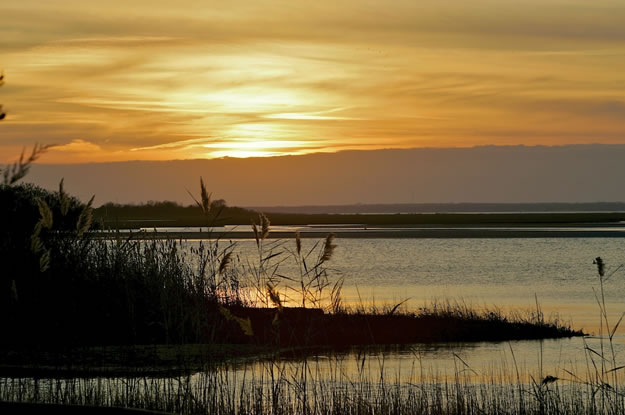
x,y
556,275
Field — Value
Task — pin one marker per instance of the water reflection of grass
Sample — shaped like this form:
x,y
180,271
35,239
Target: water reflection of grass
x,y
309,388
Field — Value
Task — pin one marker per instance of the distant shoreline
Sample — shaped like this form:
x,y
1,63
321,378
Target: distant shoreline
x,y
421,233
446,208
149,217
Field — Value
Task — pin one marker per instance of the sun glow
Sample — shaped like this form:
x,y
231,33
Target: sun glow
x,y
256,148
262,139
244,153
245,145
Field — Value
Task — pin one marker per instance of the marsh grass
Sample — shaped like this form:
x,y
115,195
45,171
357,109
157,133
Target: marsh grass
x,y
308,387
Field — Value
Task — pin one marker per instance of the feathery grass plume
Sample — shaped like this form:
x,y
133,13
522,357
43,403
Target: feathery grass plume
x,y
244,323
298,242
225,262
44,261
36,244
274,296
15,172
261,230
205,198
328,248
63,199
600,266
45,212
264,226
256,236
549,379
336,300
84,220
35,241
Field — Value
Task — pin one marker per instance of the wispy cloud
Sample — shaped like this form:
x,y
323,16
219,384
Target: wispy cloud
x,y
161,80
183,144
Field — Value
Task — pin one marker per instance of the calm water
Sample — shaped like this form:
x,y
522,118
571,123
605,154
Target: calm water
x,y
506,273
479,362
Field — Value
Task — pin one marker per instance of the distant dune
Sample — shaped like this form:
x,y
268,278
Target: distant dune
x,y
491,174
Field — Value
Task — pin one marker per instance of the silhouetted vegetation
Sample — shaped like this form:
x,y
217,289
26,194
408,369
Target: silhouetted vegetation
x,y
275,390
61,286
340,330
20,215
160,214
167,213
2,114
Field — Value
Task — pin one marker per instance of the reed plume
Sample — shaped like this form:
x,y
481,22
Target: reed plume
x,y
261,230
328,248
18,170
85,219
46,214
298,243
225,262
63,199
264,224
274,296
600,266
205,198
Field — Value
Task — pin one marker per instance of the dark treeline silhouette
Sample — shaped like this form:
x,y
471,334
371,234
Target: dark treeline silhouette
x,y
162,214
155,209
168,213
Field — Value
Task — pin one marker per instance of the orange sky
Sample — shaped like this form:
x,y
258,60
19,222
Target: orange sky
x,y
156,80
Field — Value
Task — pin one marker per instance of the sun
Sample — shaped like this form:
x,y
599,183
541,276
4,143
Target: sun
x,y
265,139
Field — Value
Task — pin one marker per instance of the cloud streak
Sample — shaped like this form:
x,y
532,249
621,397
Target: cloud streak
x,y
164,80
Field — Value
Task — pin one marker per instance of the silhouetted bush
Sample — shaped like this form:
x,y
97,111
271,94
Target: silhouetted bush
x,y
63,284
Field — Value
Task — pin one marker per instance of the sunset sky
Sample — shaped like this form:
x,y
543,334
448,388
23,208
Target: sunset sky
x,y
155,80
